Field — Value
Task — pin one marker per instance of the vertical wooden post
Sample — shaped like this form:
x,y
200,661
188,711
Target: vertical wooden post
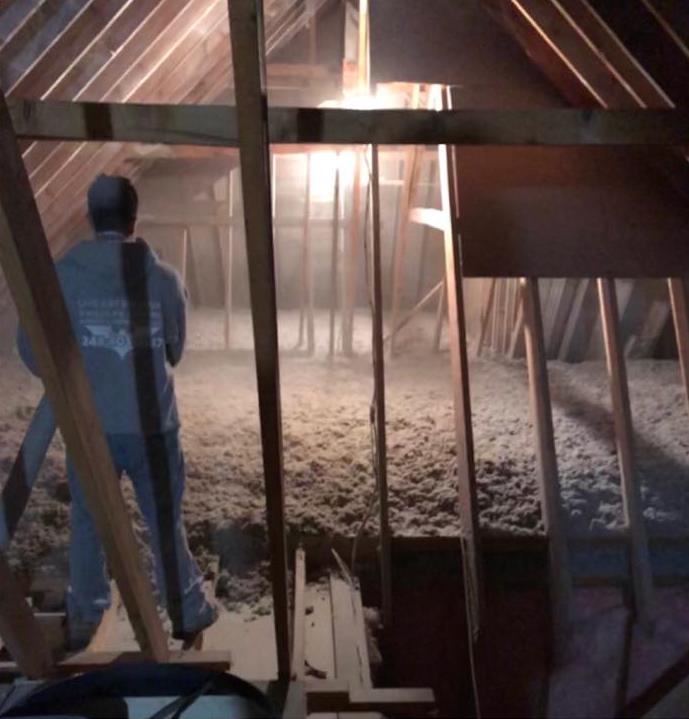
x,y
642,576
334,257
364,77
486,316
379,385
401,244
185,254
541,412
248,55
229,267
466,475
412,170
307,260
440,316
679,298
19,628
352,260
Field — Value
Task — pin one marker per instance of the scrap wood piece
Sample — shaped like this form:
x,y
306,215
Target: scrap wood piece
x,y
100,639
349,632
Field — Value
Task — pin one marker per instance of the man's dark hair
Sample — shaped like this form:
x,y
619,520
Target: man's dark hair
x,y
112,203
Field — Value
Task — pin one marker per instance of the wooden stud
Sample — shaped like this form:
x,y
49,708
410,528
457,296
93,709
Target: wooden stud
x,y
248,53
29,271
299,624
354,242
334,257
25,469
517,348
486,316
466,475
410,177
307,264
439,316
642,576
19,628
551,506
417,308
381,468
229,267
679,297
186,238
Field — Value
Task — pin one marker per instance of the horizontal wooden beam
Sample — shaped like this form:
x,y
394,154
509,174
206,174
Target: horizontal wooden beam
x,y
340,697
429,217
89,661
215,125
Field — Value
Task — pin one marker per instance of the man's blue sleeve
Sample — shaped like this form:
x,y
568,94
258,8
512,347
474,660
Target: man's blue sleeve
x,y
25,352
175,314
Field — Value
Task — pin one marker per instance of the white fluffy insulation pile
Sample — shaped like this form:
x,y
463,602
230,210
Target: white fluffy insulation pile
x,y
328,457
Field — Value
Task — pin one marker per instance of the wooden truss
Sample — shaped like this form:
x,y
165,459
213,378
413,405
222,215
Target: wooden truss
x,y
250,126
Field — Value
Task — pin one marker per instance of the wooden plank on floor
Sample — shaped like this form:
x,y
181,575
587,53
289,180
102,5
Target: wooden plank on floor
x,y
19,628
347,663
549,482
340,698
88,661
30,273
642,576
352,663
248,54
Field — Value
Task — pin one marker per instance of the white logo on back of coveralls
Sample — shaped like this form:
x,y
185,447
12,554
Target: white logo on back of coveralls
x,y
107,322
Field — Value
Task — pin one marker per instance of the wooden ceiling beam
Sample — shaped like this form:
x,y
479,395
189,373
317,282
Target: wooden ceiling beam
x,y
215,125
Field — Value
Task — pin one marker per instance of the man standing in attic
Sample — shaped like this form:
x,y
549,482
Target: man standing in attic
x,y
128,314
